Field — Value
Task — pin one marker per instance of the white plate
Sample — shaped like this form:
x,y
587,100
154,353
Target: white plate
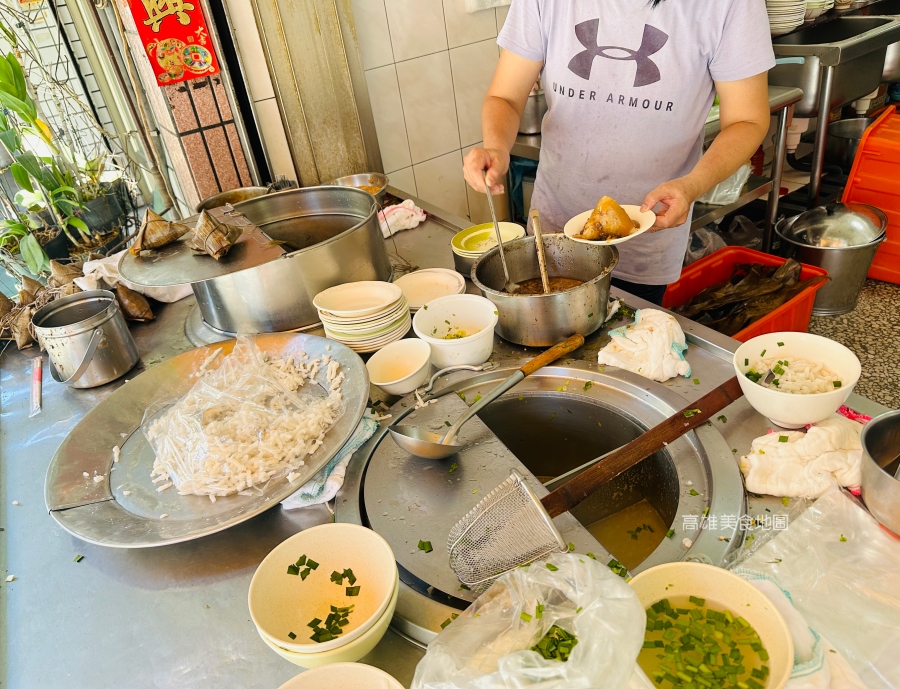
x,y
364,324
364,335
422,286
576,224
343,676
356,299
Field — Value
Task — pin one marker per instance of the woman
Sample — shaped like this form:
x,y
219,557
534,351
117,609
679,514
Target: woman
x,y
629,84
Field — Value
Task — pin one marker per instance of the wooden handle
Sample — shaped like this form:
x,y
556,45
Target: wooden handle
x,y
555,352
579,488
539,247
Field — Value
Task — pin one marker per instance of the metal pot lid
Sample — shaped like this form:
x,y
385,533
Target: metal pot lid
x,y
176,264
836,225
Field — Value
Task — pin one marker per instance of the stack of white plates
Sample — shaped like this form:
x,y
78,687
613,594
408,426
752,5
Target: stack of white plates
x,y
785,15
815,8
422,286
365,316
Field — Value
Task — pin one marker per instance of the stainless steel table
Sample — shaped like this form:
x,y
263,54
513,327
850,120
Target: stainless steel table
x,y
781,98
177,616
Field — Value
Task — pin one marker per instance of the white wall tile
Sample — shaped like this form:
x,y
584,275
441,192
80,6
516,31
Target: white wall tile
x,y
501,17
464,28
404,180
473,68
253,59
372,32
417,27
426,89
479,211
271,130
384,94
440,181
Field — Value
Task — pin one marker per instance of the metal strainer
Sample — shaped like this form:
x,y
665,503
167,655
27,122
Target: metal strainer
x,y
508,528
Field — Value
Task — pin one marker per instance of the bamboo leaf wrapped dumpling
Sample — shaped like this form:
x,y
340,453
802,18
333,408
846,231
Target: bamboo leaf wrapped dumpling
x,y
156,232
213,237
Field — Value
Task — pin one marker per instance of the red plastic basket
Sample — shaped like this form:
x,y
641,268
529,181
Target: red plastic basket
x,y
793,315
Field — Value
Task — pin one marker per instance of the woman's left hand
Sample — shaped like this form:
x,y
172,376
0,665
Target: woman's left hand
x,y
675,197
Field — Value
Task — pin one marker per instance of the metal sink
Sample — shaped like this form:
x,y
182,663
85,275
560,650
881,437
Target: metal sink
x,y
848,52
885,8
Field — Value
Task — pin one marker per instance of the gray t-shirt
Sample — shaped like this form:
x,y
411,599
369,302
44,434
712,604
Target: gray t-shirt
x,y
628,91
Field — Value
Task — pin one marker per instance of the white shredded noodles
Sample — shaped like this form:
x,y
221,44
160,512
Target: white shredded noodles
x,y
117,453
797,376
246,422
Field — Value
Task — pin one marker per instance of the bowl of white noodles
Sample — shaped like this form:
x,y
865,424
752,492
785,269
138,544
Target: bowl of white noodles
x,y
813,376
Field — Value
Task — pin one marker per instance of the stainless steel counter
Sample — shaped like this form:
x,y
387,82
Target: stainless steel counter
x,y
177,616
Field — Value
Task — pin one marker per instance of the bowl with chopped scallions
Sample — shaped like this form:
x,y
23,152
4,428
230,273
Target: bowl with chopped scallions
x,y
811,376
708,628
323,588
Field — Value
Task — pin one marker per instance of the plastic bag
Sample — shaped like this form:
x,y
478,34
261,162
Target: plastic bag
x,y
728,190
744,232
488,646
842,571
703,243
251,419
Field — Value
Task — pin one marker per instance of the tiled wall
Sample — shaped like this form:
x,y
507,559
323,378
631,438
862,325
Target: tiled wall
x,y
428,65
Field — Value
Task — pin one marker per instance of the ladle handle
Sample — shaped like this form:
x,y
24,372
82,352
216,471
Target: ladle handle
x,y
490,200
579,488
541,360
555,352
539,246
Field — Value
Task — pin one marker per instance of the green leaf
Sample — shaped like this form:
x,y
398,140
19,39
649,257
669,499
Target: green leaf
x,y
20,174
10,139
32,163
19,107
33,253
79,225
19,81
11,38
64,190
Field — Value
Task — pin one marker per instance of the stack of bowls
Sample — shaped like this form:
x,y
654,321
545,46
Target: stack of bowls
x,y
469,244
365,316
785,15
283,601
816,8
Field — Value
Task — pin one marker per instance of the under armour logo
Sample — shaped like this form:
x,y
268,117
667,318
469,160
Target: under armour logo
x,y
647,72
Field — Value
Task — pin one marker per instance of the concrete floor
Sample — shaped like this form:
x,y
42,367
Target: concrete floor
x,y
872,331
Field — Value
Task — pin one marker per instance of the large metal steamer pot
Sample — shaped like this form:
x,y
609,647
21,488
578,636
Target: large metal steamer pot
x,y
545,319
332,236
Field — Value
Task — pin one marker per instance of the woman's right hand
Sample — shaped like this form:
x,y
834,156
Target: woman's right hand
x,y
494,160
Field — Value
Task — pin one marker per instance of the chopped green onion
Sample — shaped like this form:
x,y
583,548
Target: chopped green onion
x,y
552,567
301,561
843,538
292,635
588,385
312,564
785,501
353,590
705,510
426,546
670,533
463,587
305,573
696,381
783,438
693,492
539,611
315,622
78,558
837,383
781,344
578,609
691,412
722,418
454,467
571,546
447,424
762,353
525,617
591,555
293,569
337,578
746,362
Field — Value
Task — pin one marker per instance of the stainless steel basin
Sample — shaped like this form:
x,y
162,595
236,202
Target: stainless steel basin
x,y
853,47
885,8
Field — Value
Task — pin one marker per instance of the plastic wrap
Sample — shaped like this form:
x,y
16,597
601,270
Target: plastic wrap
x,y
251,419
489,645
728,190
842,571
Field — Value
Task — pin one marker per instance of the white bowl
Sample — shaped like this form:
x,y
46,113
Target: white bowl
x,y
357,299
401,366
789,410
343,676
281,603
469,313
729,591
348,653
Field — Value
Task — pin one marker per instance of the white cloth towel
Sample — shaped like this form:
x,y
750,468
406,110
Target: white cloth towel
x,y
108,269
403,216
817,664
653,346
805,465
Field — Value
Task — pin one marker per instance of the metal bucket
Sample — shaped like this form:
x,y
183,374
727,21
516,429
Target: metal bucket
x,y
843,140
86,338
544,319
332,235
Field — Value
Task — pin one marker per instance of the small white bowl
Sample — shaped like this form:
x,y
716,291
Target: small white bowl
x,y
281,603
790,410
729,591
401,366
469,313
343,676
348,653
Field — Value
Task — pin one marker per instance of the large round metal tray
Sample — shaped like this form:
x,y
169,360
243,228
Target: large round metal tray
x,y
101,513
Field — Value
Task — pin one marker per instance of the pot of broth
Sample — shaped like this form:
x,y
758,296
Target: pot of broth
x,y
579,276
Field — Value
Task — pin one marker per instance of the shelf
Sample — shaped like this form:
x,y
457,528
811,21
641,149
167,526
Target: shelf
x,y
705,213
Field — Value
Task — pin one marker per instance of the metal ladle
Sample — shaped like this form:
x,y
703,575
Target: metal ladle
x,y
510,286
429,445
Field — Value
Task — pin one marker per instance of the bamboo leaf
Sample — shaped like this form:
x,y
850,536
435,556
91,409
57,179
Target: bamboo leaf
x,y
33,253
20,174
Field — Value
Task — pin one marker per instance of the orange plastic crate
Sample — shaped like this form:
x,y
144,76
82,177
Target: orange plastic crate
x,y
875,180
716,268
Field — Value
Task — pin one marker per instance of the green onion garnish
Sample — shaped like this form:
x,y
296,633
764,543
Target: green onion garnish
x,y
571,546
785,501
312,564
353,590
781,344
454,467
292,635
837,383
305,573
539,611
670,533
337,578
315,622
426,546
552,567
783,438
696,381
525,617
843,538
78,558
693,492
293,569
762,353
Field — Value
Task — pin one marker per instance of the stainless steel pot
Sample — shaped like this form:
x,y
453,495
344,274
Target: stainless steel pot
x,y
332,236
843,140
533,114
366,179
545,319
87,339
880,489
231,196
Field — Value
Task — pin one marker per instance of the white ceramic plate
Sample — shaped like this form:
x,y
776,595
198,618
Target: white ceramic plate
x,y
343,676
421,286
370,334
356,299
576,224
372,323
